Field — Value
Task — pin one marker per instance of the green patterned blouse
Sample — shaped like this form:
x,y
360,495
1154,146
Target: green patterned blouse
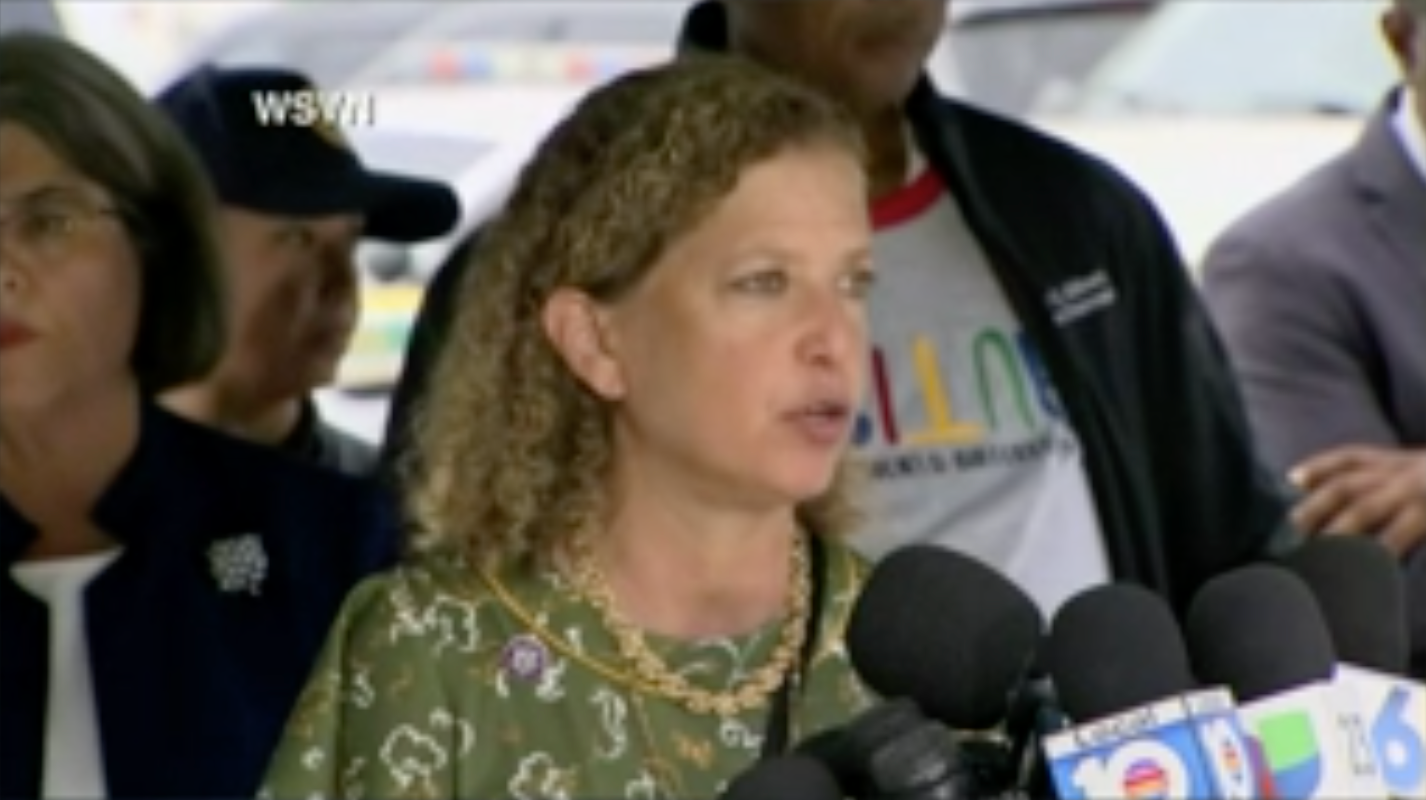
x,y
438,683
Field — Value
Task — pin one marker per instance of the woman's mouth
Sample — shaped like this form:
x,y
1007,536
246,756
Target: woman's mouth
x,y
823,423
13,334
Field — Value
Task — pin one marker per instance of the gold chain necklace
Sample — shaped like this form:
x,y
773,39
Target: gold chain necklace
x,y
651,670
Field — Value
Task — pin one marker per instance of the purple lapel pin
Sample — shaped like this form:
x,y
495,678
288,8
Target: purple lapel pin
x,y
525,657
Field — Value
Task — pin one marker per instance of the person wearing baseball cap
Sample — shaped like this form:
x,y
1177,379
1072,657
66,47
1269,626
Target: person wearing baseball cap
x,y
295,201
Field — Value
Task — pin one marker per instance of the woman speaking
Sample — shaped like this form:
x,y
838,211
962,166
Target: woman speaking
x,y
627,487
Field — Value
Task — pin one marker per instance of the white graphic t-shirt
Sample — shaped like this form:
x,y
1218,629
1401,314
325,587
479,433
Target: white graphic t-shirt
x,y
965,438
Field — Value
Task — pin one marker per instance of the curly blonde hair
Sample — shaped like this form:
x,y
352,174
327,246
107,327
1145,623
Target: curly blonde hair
x,y
511,451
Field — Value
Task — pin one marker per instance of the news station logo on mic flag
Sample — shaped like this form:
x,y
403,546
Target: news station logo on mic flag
x,y
1185,748
1315,744
1395,717
1290,749
1146,779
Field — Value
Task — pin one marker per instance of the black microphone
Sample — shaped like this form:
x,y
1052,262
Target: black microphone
x,y
946,630
1114,648
784,778
1361,594
959,639
1260,631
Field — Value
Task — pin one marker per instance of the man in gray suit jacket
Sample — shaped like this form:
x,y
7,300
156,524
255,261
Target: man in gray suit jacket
x,y
1321,297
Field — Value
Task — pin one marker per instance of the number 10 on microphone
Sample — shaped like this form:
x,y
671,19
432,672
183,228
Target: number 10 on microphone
x,y
1188,748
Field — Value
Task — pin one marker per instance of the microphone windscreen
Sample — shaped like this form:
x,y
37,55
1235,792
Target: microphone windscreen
x,y
784,777
946,630
1116,647
1361,592
1258,631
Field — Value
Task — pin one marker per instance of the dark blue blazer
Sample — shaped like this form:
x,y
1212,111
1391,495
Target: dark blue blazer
x,y
193,681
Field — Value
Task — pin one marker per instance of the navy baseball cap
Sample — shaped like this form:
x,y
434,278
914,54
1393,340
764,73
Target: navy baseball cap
x,y
291,169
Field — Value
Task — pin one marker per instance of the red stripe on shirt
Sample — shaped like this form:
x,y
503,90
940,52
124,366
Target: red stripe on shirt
x,y
908,202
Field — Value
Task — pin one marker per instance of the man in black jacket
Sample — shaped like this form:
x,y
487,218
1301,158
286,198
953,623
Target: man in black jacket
x,y
1047,394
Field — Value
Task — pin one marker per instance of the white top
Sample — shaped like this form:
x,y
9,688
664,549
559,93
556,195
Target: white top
x,y
1409,131
967,444
74,758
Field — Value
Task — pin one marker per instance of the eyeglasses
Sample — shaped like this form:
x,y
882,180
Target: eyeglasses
x,y
52,231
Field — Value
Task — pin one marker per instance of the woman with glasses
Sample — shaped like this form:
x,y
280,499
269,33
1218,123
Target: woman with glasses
x,y
165,588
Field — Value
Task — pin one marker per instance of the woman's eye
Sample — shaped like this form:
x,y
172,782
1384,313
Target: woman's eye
x,y
763,282
860,283
43,223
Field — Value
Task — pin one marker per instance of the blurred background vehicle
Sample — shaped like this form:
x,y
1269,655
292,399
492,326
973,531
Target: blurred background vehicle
x,y
1008,53
1214,106
400,46
329,42
510,68
528,42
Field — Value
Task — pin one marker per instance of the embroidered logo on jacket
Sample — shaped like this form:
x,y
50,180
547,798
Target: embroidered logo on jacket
x,y
1079,297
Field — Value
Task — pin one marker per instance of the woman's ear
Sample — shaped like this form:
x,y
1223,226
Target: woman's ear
x,y
576,326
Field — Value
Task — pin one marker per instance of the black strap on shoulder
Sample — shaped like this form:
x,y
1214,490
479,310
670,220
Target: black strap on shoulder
x,y
779,721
